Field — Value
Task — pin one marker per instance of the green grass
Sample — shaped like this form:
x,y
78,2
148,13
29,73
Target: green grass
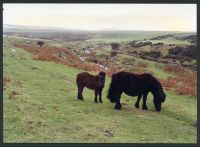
x,y
46,109
151,67
158,71
126,36
98,52
171,40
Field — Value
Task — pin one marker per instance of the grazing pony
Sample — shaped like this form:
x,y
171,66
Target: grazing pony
x,y
96,83
136,85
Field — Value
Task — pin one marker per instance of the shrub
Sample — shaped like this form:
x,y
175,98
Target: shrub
x,y
113,53
139,44
40,43
152,54
175,51
189,51
115,45
159,43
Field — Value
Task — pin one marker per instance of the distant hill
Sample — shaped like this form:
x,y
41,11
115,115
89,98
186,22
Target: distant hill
x,y
108,30
8,26
69,34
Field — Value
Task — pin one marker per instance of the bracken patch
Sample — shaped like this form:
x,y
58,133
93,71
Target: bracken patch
x,y
184,82
63,56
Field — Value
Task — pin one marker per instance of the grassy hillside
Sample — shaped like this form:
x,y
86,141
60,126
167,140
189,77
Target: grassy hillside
x,y
40,105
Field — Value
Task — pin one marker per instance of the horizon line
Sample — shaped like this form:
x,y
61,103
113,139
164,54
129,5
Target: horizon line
x,y
82,29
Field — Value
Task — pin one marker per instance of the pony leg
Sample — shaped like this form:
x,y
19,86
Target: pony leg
x,y
137,104
144,105
100,96
95,99
80,91
117,102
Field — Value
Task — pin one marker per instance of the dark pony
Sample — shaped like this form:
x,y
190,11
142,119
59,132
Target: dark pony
x,y
96,83
136,85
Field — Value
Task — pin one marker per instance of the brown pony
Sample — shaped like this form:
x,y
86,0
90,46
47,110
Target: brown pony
x,y
96,83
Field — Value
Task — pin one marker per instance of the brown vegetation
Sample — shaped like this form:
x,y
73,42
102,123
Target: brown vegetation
x,y
184,83
63,56
13,94
113,53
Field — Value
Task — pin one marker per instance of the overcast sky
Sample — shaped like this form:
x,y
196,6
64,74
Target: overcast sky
x,y
156,17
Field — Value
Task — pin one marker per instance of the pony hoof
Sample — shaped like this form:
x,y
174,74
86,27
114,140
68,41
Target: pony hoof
x,y
96,101
137,106
100,101
117,108
145,108
80,99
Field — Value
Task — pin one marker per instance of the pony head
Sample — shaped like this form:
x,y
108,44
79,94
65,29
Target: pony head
x,y
159,97
112,89
102,78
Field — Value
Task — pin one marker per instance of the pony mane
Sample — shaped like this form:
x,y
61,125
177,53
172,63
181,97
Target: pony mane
x,y
156,86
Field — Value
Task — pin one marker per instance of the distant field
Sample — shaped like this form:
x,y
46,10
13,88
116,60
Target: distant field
x,y
89,36
171,40
40,104
126,36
